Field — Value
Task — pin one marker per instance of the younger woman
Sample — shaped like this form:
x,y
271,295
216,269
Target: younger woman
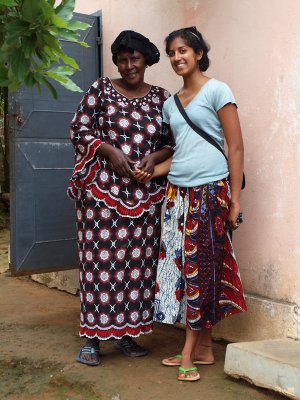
x,y
198,281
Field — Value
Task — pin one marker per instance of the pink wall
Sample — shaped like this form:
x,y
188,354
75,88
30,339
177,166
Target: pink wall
x,y
255,48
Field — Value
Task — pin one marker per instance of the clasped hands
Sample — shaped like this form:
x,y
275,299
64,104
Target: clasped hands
x,y
125,167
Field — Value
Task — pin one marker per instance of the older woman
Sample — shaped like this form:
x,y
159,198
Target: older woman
x,y
117,127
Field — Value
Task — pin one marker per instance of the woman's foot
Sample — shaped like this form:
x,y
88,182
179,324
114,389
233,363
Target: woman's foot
x,y
188,374
203,354
129,347
89,354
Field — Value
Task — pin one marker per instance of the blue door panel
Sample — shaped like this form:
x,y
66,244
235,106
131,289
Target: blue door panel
x,y
43,228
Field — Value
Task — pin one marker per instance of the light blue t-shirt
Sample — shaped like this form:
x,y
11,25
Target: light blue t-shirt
x,y
195,161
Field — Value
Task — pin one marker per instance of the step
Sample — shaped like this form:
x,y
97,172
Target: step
x,y
272,364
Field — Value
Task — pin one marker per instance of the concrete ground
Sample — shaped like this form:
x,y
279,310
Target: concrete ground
x,y
39,341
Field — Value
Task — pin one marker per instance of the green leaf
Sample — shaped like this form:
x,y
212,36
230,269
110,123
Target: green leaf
x,y
65,9
62,70
19,64
3,77
78,25
68,60
58,21
51,2
69,35
9,3
64,81
31,10
84,44
30,80
50,87
28,45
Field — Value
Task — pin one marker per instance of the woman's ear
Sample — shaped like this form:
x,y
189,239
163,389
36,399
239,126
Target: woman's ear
x,y
199,55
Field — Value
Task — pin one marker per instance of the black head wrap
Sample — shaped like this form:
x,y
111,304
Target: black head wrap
x,y
130,40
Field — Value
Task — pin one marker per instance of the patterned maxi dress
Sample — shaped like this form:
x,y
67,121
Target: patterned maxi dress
x,y
118,219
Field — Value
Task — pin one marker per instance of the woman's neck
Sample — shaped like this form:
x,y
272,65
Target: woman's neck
x,y
193,83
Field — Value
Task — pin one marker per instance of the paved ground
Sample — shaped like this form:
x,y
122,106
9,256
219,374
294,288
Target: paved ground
x,y
39,340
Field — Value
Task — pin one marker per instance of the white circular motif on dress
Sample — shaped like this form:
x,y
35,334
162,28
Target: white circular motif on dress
x,y
120,275
89,277
91,100
81,317
147,294
104,176
111,110
136,115
80,148
139,194
120,318
155,99
134,316
150,230
125,180
105,213
89,297
158,119
120,254
104,319
84,119
104,234
78,157
136,252
79,215
89,256
115,190
124,123
122,233
146,314
134,294
104,297
120,297
135,273
151,129
89,213
112,134
152,209
100,121
148,252
104,255
89,137
90,318
137,232
146,107
138,138
126,148
104,276
89,235
80,236
147,273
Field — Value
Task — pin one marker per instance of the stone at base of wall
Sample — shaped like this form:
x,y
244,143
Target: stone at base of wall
x,y
272,364
62,280
265,319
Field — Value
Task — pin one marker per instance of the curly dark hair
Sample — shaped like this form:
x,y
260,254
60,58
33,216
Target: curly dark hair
x,y
193,39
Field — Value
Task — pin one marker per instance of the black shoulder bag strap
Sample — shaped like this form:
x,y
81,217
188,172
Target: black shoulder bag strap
x,y
201,132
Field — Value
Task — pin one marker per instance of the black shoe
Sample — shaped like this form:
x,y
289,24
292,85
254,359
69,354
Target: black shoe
x,y
129,347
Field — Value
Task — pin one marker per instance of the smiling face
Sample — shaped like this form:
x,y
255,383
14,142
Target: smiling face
x,y
183,58
131,67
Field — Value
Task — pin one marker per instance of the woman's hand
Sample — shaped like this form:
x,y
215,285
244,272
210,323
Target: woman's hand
x,y
147,164
120,162
233,215
141,176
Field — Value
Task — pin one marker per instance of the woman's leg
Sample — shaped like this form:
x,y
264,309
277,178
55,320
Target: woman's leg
x,y
203,349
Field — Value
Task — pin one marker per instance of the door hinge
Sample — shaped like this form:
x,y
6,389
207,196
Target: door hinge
x,y
99,40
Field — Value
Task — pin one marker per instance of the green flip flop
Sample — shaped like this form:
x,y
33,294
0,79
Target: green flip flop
x,y
184,377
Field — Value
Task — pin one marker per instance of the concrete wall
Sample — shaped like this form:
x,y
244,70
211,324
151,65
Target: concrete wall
x,y
255,48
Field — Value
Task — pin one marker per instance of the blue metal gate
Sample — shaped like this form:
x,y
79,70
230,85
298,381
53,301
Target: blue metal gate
x,y
43,230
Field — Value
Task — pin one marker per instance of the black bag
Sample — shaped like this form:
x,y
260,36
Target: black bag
x,y
200,132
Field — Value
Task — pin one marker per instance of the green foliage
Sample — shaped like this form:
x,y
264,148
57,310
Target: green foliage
x,y
30,47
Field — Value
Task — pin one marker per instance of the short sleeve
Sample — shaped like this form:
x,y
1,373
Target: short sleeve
x,y
222,96
165,114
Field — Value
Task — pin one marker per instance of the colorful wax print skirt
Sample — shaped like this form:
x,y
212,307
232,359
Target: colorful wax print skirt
x,y
198,281
117,262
